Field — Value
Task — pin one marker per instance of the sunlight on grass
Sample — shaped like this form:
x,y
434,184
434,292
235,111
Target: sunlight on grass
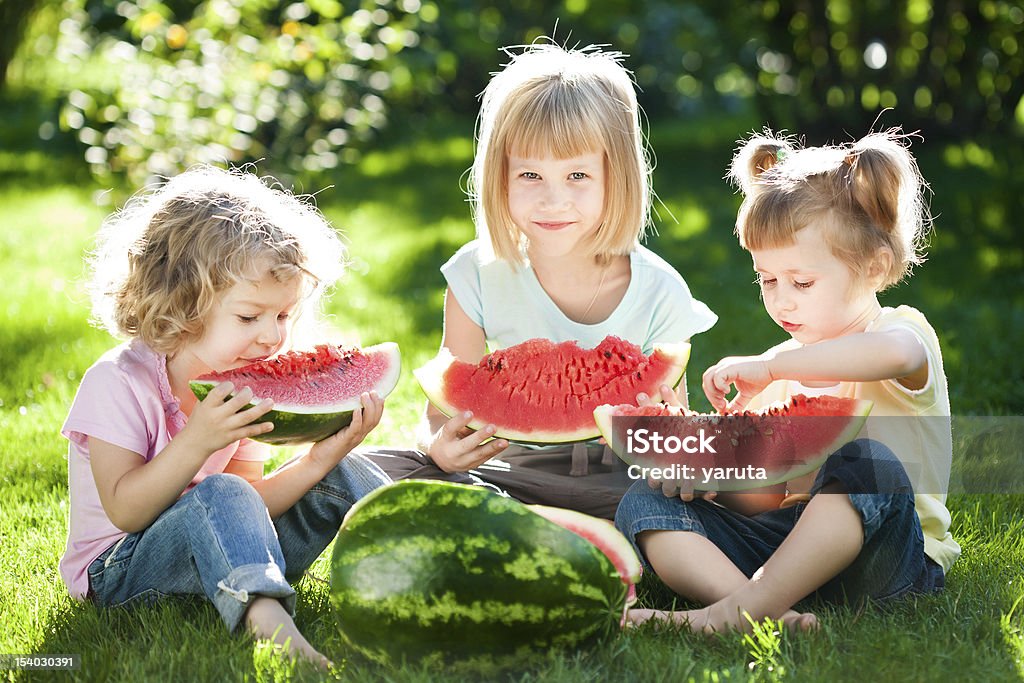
x,y
765,643
404,214
1013,634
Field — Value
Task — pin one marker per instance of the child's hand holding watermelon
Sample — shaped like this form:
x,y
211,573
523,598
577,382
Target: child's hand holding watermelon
x,y
454,447
332,450
673,487
222,418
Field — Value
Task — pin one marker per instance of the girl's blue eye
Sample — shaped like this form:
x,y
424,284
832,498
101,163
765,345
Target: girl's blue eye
x,y
578,175
529,175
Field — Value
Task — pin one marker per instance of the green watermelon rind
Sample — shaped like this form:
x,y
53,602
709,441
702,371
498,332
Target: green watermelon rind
x,y
406,591
810,461
430,378
306,424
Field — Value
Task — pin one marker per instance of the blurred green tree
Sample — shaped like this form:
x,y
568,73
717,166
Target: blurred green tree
x,y
152,86
678,52
948,67
14,18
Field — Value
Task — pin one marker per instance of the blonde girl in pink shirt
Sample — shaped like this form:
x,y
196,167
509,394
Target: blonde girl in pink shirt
x,y
168,495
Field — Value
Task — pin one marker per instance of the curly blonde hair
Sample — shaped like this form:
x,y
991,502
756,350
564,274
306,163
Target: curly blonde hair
x,y
550,100
161,261
867,195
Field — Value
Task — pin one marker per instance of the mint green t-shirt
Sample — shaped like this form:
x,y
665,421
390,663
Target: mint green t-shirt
x,y
509,304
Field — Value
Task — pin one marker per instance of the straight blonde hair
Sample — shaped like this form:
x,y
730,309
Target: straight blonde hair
x,y
554,101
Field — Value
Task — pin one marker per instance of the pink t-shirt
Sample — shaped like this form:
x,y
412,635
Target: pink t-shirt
x,y
124,399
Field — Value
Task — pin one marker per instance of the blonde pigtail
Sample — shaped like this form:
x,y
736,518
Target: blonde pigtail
x,y
886,184
758,154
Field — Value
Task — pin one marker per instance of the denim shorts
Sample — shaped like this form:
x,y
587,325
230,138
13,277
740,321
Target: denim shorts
x,y
891,563
218,540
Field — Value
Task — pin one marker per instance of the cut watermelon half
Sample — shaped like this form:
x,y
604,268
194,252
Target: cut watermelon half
x,y
607,538
746,450
543,392
601,533
314,392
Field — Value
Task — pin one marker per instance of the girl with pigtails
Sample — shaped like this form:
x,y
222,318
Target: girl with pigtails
x,y
828,228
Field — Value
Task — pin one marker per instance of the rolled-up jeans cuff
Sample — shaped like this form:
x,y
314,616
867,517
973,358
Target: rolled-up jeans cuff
x,y
659,523
237,591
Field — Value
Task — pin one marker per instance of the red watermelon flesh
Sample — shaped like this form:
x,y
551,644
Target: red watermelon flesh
x,y
314,392
543,392
750,448
299,381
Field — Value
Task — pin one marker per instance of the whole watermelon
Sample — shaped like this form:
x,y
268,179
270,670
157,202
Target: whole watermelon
x,y
442,573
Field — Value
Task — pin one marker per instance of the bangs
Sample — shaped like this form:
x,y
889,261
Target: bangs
x,y
767,221
553,124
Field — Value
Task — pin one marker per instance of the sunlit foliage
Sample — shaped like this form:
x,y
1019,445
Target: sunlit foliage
x,y
161,85
150,86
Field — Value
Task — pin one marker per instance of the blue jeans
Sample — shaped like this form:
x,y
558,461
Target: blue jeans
x,y
218,540
891,561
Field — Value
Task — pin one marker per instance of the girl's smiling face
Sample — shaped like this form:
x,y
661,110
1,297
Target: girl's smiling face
x,y
556,202
810,293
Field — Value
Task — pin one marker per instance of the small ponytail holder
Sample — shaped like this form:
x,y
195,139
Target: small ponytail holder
x,y
780,154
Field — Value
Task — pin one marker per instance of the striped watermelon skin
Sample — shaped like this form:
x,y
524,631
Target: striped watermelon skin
x,y
292,428
448,574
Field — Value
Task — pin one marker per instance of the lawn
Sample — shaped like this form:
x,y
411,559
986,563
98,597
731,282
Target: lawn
x,y
403,213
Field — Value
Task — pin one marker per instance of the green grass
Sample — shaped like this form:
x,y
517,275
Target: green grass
x,y
404,214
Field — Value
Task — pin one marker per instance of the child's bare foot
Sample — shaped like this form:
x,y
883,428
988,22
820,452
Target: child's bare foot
x,y
800,621
267,619
704,621
726,616
636,617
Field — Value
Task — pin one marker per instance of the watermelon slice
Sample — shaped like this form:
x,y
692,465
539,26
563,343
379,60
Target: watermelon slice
x,y
543,392
314,392
735,451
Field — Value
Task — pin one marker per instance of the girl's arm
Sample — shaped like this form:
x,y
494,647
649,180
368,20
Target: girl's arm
x,y
863,357
449,443
752,502
134,492
282,489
